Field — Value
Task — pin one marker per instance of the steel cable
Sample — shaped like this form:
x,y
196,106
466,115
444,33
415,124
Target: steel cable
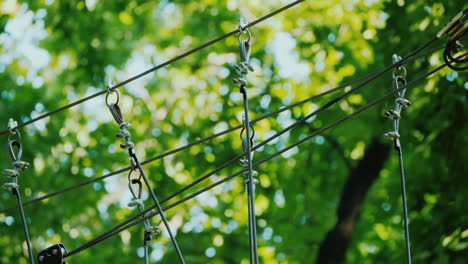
x,y
369,77
128,223
164,64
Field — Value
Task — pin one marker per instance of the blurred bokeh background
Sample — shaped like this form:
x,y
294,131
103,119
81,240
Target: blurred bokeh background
x,y
55,52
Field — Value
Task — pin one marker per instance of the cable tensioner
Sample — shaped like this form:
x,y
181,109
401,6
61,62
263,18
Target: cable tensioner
x,y
52,255
455,30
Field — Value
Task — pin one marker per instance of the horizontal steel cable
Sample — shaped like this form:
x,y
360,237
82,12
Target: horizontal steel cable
x,y
128,223
369,77
179,57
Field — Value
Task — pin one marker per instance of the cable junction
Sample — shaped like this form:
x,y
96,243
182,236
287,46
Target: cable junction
x,y
135,219
135,163
370,77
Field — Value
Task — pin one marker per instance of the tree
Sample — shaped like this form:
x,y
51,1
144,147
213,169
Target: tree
x,y
55,52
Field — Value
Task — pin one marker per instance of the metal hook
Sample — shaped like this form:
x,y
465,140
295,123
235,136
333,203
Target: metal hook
x,y
243,30
135,181
110,90
243,129
116,113
399,81
244,51
396,60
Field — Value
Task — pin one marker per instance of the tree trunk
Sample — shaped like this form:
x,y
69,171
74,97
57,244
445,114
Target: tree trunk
x,y
333,247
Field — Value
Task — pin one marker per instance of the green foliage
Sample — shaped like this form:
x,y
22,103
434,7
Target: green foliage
x,y
67,50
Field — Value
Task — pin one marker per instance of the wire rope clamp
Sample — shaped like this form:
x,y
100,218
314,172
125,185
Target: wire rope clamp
x,y
127,145
135,202
254,177
392,135
392,114
240,82
150,213
403,102
22,165
52,255
10,173
10,186
153,230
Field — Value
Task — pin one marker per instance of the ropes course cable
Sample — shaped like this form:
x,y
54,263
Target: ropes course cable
x,y
164,64
371,77
399,79
243,68
13,174
453,29
129,145
132,221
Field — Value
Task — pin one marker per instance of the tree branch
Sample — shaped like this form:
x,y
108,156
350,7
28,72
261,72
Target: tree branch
x,y
334,246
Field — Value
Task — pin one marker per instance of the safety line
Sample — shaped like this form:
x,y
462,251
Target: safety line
x,y
128,223
371,76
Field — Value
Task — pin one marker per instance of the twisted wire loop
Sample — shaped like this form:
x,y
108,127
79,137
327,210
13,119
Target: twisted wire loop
x,y
128,145
138,203
399,80
243,69
13,174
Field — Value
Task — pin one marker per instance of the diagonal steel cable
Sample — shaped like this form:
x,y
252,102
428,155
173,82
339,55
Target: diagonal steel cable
x,y
155,68
369,77
132,221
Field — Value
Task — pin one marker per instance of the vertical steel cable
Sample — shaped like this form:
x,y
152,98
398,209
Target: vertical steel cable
x,y
25,225
405,209
399,79
250,184
242,69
